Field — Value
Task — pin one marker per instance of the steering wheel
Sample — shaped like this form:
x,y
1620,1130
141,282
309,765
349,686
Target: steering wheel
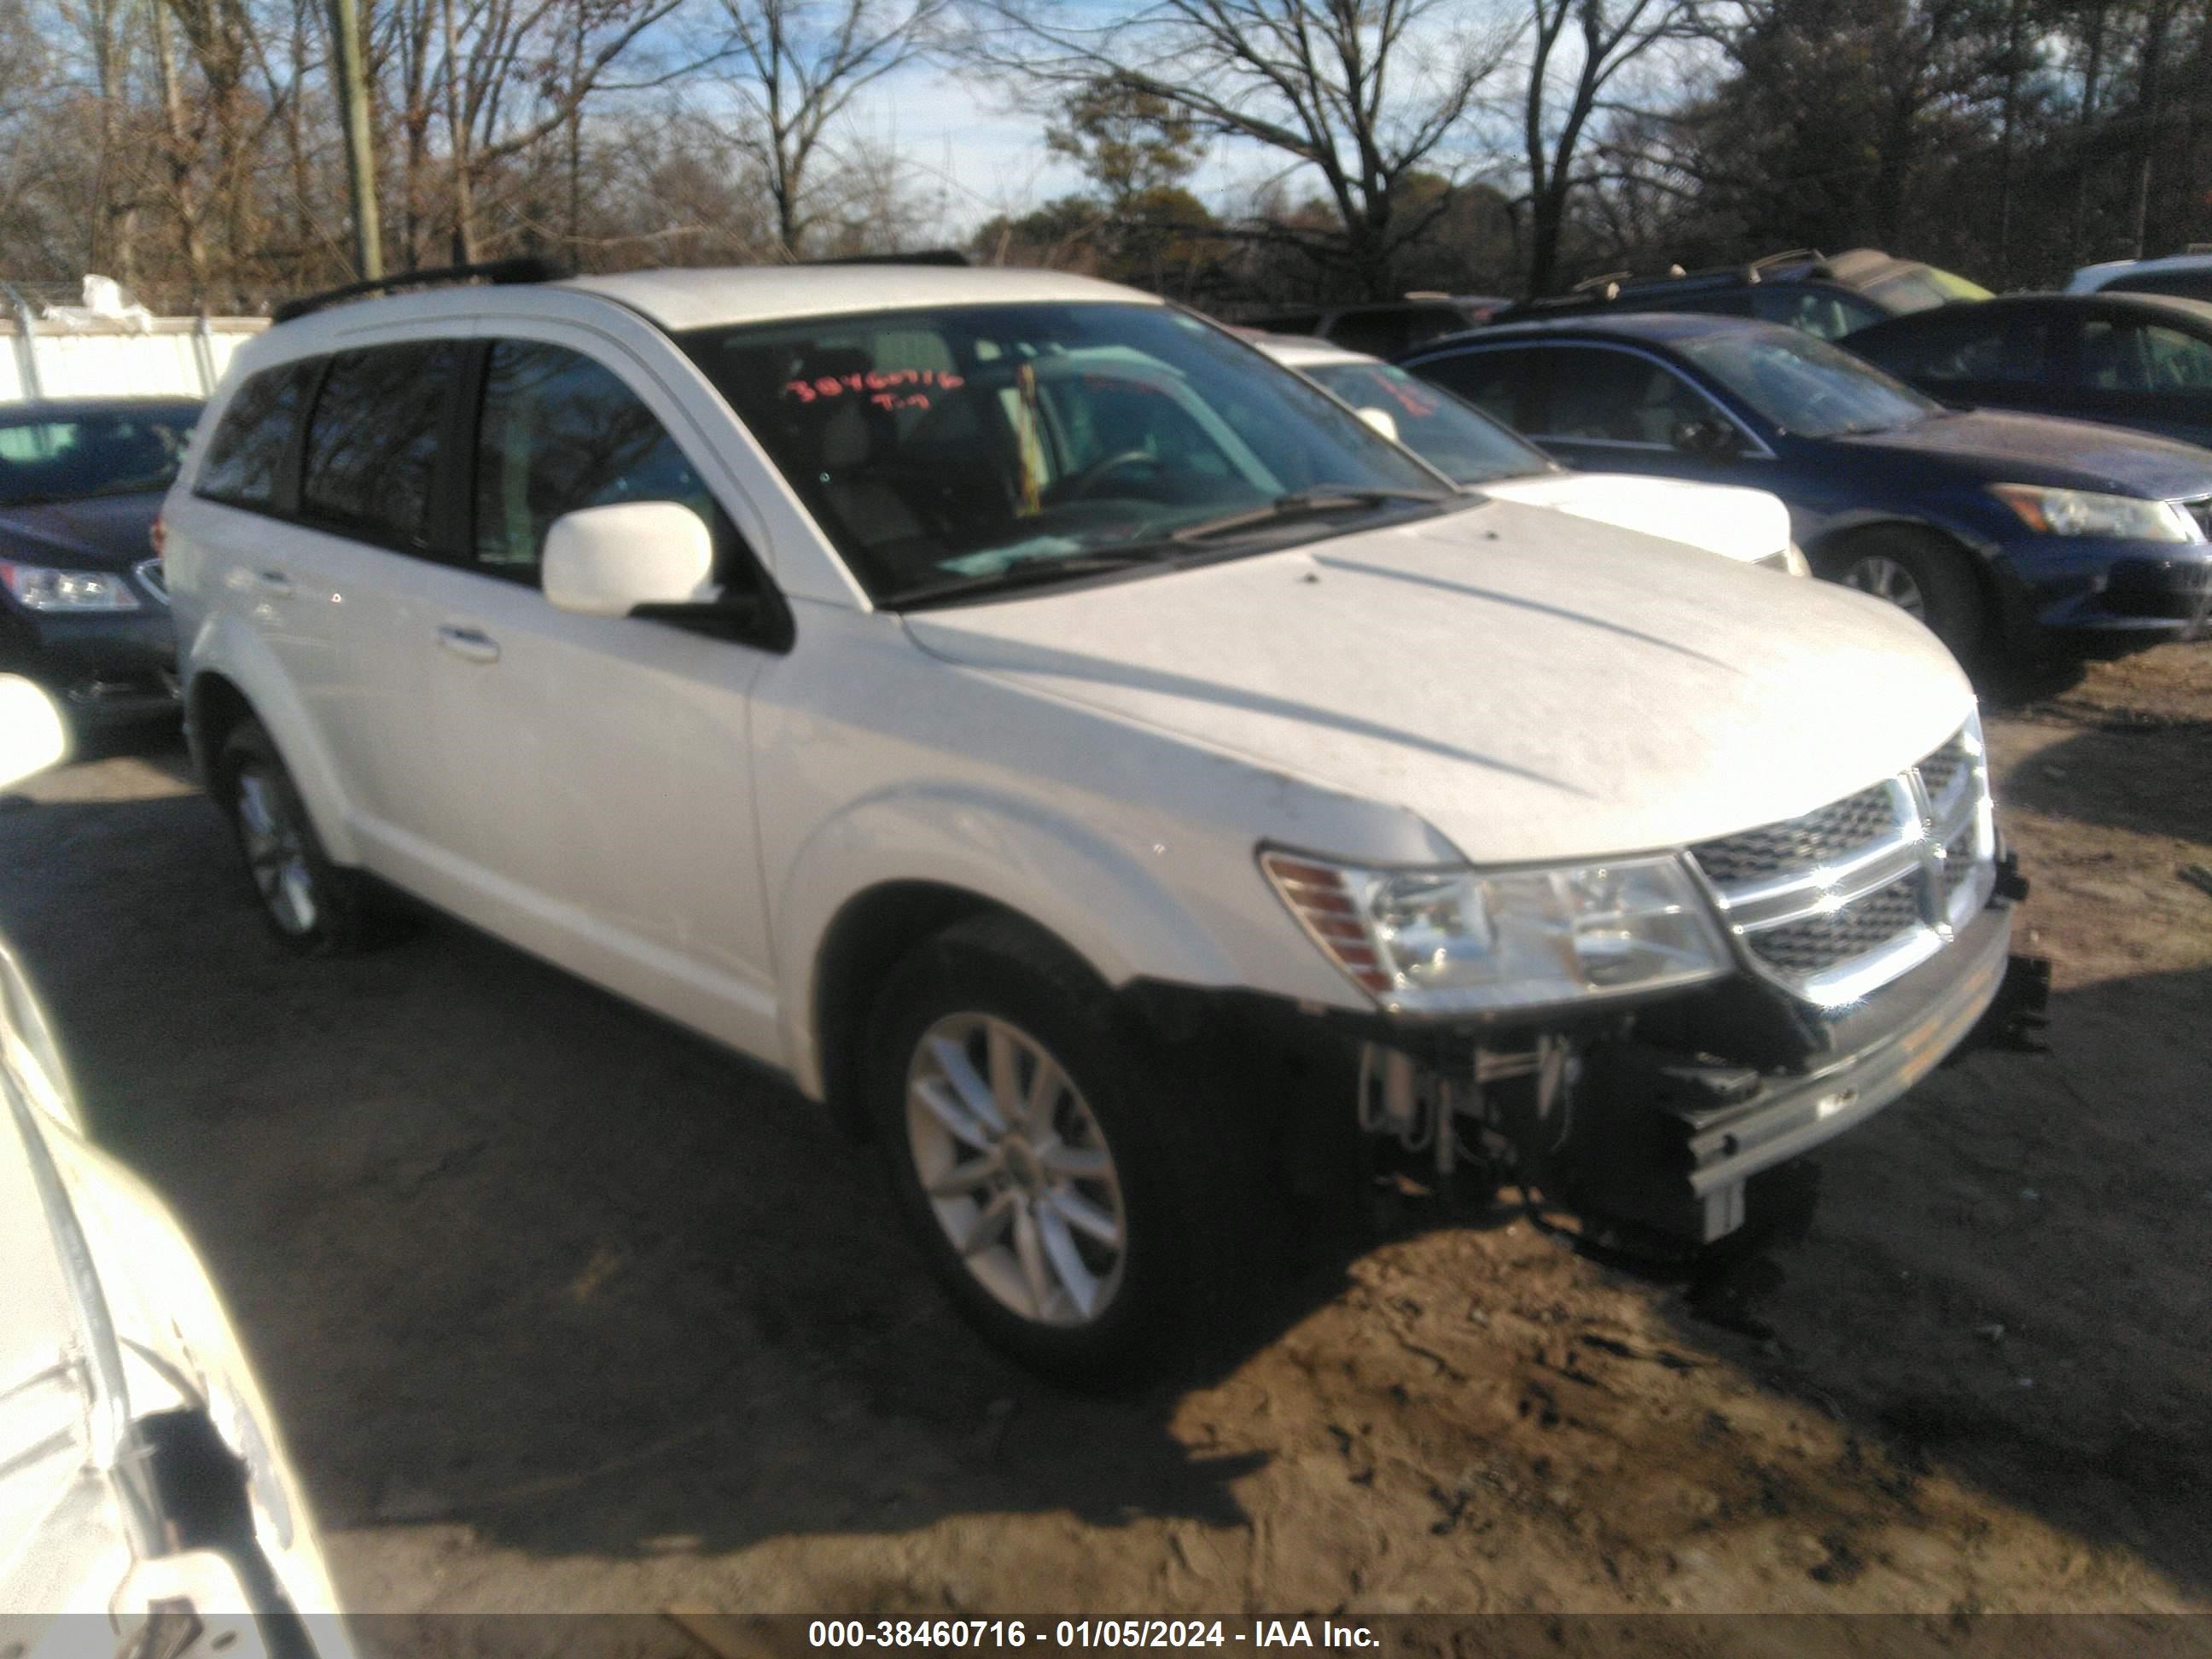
x,y
1081,486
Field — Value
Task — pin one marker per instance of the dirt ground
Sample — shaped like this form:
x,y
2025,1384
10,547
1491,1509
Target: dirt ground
x,y
563,1309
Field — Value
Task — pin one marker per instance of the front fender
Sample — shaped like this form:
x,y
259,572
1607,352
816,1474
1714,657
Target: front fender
x,y
223,645
1096,896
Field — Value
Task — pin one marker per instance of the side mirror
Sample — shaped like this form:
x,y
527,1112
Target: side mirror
x,y
1705,436
32,735
610,560
1382,421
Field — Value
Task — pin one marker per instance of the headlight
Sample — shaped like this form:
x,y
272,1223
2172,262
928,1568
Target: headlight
x,y
1456,940
37,587
2083,513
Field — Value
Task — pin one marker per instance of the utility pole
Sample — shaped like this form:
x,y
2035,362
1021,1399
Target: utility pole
x,y
360,159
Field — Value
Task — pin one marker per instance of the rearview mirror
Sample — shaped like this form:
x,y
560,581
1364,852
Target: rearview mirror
x,y
1382,421
610,560
32,735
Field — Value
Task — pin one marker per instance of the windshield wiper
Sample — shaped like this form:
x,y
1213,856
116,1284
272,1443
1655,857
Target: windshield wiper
x,y
1031,573
1300,503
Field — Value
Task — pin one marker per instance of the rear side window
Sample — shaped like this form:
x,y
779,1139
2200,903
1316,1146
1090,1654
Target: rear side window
x,y
372,445
1501,384
1970,346
244,460
560,432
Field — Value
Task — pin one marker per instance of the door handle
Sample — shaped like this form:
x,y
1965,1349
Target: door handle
x,y
274,582
471,644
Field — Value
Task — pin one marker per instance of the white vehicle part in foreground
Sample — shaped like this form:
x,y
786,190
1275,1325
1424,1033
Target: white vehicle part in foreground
x,y
1747,525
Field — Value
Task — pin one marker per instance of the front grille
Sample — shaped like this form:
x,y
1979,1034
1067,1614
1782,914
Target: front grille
x,y
1941,769
1864,925
1819,837
1842,899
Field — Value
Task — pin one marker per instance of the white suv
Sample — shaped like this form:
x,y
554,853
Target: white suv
x,y
1082,752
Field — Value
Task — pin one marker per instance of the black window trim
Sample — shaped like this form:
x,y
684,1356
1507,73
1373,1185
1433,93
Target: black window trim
x,y
772,627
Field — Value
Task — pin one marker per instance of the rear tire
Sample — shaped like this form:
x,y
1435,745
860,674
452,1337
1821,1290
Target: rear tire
x,y
313,907
1920,573
1091,1230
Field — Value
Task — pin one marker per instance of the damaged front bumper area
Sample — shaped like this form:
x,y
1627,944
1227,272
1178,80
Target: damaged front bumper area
x,y
1657,1117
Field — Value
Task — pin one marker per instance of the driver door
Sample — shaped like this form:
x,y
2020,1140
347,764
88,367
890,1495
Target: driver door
x,y
1607,408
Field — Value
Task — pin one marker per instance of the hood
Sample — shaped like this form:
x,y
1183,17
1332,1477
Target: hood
x,y
2043,449
107,533
1532,685
1723,519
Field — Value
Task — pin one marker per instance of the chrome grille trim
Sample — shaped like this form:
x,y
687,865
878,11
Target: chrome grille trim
x,y
152,578
1834,903
2201,510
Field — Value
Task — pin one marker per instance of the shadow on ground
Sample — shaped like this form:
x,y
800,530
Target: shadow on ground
x,y
511,1254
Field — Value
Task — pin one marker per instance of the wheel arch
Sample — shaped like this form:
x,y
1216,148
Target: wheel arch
x,y
233,676
1977,556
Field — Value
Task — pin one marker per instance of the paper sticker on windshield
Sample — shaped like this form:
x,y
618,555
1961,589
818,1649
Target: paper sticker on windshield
x,y
896,388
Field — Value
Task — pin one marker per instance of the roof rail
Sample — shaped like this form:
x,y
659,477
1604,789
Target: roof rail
x,y
525,268
940,255
1611,279
1787,257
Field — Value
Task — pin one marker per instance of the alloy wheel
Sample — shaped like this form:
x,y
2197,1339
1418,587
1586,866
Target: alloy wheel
x,y
1886,578
1016,1170
276,852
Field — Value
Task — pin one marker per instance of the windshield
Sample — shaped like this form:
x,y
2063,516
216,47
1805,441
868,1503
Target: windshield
x,y
1456,439
948,443
113,452
1804,386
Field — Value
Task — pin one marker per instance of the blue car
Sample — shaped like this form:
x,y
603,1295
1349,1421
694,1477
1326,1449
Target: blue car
x,y
2011,536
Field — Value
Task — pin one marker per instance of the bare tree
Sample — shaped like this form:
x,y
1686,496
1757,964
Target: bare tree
x,y
1367,93
1568,72
794,66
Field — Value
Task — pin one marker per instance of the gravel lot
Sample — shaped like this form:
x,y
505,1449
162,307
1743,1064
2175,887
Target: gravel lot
x,y
563,1309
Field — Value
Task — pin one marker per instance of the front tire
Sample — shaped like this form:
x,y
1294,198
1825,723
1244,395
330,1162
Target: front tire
x,y
311,906
1066,1188
1922,575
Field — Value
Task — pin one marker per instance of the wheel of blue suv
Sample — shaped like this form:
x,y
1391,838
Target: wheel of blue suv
x,y
1065,1182
311,905
1919,573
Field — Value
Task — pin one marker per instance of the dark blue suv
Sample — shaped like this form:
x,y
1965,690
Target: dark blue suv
x,y
2010,535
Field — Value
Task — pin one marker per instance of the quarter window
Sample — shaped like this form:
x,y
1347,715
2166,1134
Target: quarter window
x,y
560,432
373,440
246,456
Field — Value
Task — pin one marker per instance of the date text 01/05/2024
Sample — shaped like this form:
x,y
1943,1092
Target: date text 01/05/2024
x,y
1087,1633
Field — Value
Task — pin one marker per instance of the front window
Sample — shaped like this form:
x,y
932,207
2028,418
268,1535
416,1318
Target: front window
x,y
1805,386
948,446
111,453
1464,445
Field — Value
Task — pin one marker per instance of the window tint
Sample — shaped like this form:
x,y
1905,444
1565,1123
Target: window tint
x,y
246,453
1615,396
2122,356
1499,383
1976,347
1821,313
560,432
372,439
2184,284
